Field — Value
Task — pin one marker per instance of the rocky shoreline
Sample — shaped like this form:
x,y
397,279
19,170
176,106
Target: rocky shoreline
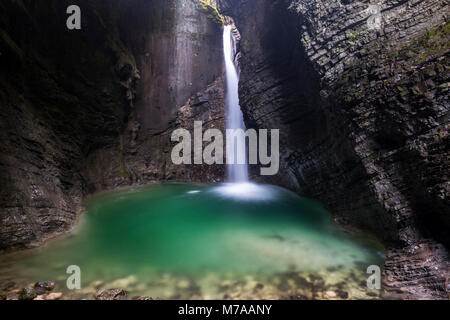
x,y
329,284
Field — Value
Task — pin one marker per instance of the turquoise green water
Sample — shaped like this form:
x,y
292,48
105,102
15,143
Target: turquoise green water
x,y
165,239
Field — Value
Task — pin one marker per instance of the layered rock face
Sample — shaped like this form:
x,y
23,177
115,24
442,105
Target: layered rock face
x,y
360,93
178,49
92,109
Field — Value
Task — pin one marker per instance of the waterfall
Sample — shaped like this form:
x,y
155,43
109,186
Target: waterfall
x,y
237,171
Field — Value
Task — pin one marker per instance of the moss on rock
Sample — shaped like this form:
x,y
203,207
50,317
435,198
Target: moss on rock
x,y
212,12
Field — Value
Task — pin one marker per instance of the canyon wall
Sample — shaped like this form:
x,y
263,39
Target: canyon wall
x,y
89,110
363,112
178,50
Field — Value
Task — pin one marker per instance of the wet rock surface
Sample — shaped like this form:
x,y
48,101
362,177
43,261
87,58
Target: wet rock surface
x,y
413,271
47,285
27,294
38,291
111,294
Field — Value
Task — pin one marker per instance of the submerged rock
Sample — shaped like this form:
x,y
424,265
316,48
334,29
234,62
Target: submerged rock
x,y
40,291
111,294
46,285
183,284
343,294
12,296
97,284
142,298
27,294
8,285
298,297
42,288
54,296
330,295
123,283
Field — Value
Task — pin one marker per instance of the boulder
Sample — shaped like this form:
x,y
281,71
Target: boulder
x,y
27,293
111,294
46,285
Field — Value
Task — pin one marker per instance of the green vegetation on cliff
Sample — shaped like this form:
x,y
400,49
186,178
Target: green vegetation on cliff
x,y
212,12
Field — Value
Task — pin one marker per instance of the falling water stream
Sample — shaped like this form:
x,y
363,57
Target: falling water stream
x,y
237,171
185,241
237,168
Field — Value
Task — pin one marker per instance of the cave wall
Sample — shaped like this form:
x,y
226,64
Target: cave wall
x,y
92,109
363,116
179,52
177,45
60,98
